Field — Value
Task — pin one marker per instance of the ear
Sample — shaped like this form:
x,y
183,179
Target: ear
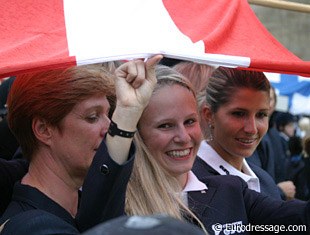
x,y
41,130
207,114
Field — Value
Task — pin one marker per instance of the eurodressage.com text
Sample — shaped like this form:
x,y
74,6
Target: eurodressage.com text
x,y
238,227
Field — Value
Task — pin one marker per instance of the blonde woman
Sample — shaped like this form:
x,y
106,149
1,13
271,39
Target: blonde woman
x,y
167,142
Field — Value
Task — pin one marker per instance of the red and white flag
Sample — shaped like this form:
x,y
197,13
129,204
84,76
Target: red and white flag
x,y
38,34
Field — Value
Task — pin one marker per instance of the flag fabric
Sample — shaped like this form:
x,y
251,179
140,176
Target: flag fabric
x,y
37,35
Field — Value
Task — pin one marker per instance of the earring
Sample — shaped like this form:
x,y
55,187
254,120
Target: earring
x,y
209,133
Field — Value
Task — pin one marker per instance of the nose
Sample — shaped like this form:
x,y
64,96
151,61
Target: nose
x,y
182,135
250,125
105,123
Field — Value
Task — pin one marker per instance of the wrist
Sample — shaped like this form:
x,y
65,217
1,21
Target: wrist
x,y
127,118
114,130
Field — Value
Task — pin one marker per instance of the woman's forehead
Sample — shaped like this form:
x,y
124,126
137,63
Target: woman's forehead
x,y
247,97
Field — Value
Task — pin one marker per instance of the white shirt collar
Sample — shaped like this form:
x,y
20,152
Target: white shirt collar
x,y
193,183
211,157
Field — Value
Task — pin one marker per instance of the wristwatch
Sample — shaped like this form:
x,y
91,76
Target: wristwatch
x,y
114,130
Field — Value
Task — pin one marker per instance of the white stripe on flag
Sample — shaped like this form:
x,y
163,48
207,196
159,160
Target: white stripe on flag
x,y
116,34
131,29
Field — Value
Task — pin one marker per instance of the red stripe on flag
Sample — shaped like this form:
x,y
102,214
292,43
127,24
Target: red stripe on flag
x,y
232,28
301,68
224,26
35,36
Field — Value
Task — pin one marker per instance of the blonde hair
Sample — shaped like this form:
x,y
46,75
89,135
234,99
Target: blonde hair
x,y
151,189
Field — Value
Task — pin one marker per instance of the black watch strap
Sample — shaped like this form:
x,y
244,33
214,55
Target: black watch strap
x,y
113,130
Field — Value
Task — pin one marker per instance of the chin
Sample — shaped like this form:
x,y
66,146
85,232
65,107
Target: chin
x,y
184,170
246,155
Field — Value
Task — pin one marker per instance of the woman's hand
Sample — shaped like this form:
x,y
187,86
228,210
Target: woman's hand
x,y
135,82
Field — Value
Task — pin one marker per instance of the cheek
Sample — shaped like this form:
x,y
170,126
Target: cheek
x,y
157,141
226,130
86,137
262,127
150,138
225,124
197,134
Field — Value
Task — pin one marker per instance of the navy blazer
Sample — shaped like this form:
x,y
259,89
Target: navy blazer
x,y
228,201
271,156
267,185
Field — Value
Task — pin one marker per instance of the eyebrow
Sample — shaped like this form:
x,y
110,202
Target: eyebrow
x,y
96,107
246,110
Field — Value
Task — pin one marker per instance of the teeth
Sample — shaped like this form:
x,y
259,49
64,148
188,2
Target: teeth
x,y
179,153
246,141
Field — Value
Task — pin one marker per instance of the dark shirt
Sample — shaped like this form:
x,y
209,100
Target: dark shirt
x,y
10,172
263,156
27,198
279,155
102,198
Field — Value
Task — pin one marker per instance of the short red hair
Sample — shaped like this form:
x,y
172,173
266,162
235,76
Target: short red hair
x,y
51,95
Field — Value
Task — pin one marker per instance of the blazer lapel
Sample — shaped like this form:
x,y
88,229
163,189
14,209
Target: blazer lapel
x,y
199,201
202,169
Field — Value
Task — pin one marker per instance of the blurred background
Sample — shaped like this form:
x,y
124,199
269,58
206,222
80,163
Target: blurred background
x,y
291,29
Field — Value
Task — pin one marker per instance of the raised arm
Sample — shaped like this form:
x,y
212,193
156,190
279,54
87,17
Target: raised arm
x,y
135,81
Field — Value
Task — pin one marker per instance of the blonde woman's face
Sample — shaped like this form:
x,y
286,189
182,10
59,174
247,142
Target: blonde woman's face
x,y
170,128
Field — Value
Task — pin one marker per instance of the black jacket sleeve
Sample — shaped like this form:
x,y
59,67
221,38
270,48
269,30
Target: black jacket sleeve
x,y
104,189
